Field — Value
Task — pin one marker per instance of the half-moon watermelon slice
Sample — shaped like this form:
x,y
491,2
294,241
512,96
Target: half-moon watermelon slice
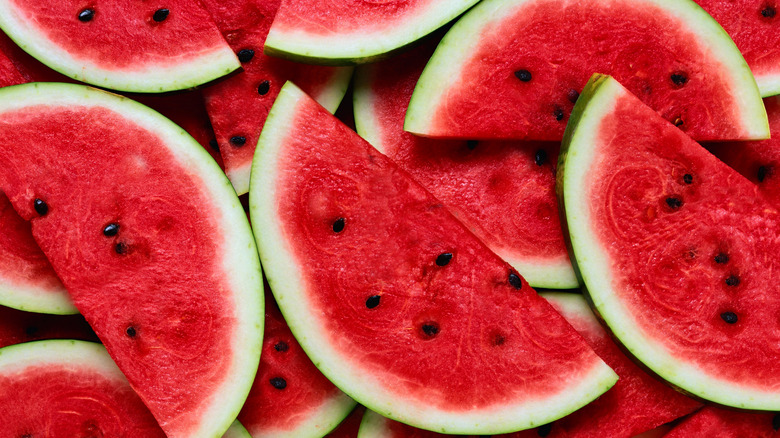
x,y
123,45
504,192
148,237
514,68
678,252
724,423
394,300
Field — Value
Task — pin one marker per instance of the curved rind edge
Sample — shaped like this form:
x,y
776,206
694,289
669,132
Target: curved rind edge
x,y
36,299
318,424
373,425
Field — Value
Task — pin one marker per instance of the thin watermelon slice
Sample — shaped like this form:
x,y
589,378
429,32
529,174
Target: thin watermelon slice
x,y
355,31
151,242
239,105
513,69
723,423
17,326
753,25
504,192
677,250
122,45
393,299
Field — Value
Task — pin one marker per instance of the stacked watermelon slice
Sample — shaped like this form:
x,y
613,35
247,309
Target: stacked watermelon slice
x,y
524,144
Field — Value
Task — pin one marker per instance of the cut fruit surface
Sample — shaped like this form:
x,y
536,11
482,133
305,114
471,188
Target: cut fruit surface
x,y
355,31
723,423
504,192
385,289
122,45
150,241
677,250
513,69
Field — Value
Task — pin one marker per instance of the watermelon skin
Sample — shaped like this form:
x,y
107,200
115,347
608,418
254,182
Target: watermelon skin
x,y
235,105
723,423
472,87
17,326
753,25
309,171
122,47
182,272
638,226
499,190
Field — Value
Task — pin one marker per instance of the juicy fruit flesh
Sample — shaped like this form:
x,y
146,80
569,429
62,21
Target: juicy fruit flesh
x,y
723,423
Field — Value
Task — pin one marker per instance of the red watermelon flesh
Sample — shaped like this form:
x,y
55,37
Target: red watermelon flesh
x,y
350,426
513,69
239,104
17,326
504,192
723,423
758,161
754,25
32,69
9,74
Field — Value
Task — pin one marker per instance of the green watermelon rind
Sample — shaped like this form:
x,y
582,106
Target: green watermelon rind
x,y
550,275
360,47
768,84
66,352
32,298
183,74
373,425
317,423
237,430
444,68
241,265
285,278
591,261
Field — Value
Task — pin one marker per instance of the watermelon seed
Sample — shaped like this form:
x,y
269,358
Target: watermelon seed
x,y
515,280
160,15
281,346
338,225
541,157
679,78
278,383
498,339
732,280
573,95
729,317
762,172
238,140
558,113
523,75
31,331
544,430
688,178
444,259
768,12
120,248
246,55
40,207
214,145
678,122
721,258
29,435
263,88
373,301
430,329
111,230
776,422
674,203
471,144
86,15
131,332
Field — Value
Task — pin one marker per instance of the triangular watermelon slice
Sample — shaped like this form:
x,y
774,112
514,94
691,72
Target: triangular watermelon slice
x,y
123,45
724,423
677,250
151,242
393,299
514,68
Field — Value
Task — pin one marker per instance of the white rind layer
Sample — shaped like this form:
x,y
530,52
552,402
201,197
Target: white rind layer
x,y
237,431
76,355
374,425
318,423
594,265
32,298
768,84
240,265
286,278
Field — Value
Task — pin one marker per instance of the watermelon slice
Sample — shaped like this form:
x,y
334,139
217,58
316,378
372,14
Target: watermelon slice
x,y
723,423
355,31
753,25
504,192
393,299
377,426
514,68
677,250
123,45
150,241
17,326
239,105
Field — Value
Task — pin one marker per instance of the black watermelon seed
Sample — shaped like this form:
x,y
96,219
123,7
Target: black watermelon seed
x,y
246,55
732,280
120,248
238,140
430,329
26,435
281,346
86,15
338,225
523,75
444,259
498,339
31,331
111,230
678,122
541,157
373,301
679,78
160,15
776,422
674,203
131,332
544,430
573,95
278,383
40,207
515,280
729,317
558,113
688,178
471,144
721,258
768,12
214,145
263,88
762,172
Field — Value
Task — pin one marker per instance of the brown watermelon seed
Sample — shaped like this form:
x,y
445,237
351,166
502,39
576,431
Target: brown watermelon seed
x,y
515,280
263,88
338,225
86,15
160,15
498,339
245,55
573,95
278,383
120,248
729,317
544,430
373,301
776,422
679,78
523,75
111,230
768,12
678,122
131,332
762,173
444,259
214,145
281,346
732,281
40,207
430,329
721,258
674,203
541,157
238,140
31,331
471,144
558,113
688,178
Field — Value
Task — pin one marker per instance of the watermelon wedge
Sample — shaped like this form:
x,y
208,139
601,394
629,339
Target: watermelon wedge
x,y
122,45
393,299
355,31
723,423
17,326
150,241
239,104
676,250
504,192
514,68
